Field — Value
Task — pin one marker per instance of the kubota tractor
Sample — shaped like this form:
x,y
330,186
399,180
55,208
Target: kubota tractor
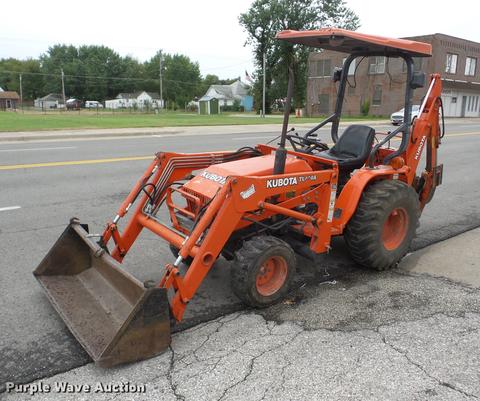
x,y
250,206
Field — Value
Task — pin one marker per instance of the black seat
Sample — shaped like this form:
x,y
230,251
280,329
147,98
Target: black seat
x,y
352,148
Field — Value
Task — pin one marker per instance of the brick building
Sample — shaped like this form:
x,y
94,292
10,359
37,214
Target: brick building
x,y
381,81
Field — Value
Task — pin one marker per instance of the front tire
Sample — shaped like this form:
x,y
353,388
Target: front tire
x,y
262,271
382,229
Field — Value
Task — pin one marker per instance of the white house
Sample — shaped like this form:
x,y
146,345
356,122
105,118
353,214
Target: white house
x,y
139,100
227,94
51,101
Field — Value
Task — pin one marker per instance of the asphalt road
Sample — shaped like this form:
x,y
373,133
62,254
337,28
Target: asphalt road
x,y
75,179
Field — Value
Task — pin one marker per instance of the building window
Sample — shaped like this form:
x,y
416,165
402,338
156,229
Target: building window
x,y
376,65
472,103
470,66
377,95
454,99
451,64
351,69
321,68
417,65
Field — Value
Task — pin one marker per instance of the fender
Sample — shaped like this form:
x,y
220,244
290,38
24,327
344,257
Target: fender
x,y
347,202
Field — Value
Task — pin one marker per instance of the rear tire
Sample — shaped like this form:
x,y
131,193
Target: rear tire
x,y
382,229
262,271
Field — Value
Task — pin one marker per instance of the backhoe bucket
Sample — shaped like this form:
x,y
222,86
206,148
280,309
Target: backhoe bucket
x,y
109,311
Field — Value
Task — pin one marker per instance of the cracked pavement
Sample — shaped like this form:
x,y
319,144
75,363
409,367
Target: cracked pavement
x,y
398,335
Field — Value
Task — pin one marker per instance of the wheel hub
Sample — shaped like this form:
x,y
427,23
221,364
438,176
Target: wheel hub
x,y
395,228
271,276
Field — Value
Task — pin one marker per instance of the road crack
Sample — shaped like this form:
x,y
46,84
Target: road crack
x,y
251,364
443,383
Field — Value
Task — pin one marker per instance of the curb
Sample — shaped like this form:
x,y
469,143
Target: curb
x,y
85,135
88,134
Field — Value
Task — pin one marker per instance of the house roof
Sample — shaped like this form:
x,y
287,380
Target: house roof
x,y
124,95
206,98
235,90
52,97
134,95
154,95
12,95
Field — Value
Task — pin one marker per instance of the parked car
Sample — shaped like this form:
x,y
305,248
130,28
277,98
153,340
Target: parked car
x,y
397,117
93,104
73,104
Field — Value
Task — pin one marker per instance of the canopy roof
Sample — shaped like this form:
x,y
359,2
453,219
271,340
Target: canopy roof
x,y
342,40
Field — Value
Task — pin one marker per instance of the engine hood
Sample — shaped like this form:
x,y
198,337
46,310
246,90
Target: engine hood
x,y
208,181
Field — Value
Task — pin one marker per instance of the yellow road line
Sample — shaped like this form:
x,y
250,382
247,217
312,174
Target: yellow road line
x,y
74,162
124,159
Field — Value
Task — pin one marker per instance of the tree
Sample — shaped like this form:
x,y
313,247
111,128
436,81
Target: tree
x,y
56,58
99,64
32,82
265,18
181,78
211,79
131,68
91,72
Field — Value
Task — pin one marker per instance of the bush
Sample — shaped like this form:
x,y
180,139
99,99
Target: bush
x,y
365,107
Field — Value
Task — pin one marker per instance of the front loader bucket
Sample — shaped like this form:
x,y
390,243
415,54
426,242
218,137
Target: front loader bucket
x,y
110,312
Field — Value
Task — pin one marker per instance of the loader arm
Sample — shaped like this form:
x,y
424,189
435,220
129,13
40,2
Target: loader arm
x,y
165,169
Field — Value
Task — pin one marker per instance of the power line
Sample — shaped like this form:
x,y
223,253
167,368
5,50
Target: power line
x,y
99,77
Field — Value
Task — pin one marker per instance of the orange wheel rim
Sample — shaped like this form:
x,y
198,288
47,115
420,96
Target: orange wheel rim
x,y
271,276
395,228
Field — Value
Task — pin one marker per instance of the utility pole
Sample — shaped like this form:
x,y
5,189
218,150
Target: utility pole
x,y
161,79
21,93
264,78
63,88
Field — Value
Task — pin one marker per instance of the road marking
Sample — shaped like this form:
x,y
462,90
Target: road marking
x,y
123,159
5,209
35,149
75,162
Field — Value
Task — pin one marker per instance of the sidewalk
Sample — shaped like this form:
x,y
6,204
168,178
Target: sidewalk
x,y
407,334
148,131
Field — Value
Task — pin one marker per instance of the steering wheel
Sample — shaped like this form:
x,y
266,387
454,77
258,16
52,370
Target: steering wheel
x,y
306,144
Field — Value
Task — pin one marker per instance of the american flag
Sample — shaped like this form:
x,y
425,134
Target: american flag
x,y
249,78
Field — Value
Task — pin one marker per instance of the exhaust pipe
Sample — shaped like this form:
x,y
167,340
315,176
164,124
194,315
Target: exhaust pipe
x,y
111,314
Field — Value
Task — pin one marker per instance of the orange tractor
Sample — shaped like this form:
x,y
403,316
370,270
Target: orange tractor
x,y
249,206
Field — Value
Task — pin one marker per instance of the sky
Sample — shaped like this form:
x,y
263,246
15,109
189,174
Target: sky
x,y
207,31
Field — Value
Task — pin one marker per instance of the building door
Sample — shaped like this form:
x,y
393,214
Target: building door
x,y
464,106
323,103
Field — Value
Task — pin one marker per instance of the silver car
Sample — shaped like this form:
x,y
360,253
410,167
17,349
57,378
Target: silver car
x,y
397,117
